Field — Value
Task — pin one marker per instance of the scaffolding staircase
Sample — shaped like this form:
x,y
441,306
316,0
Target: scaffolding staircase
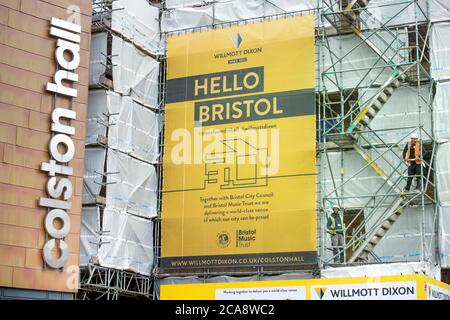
x,y
352,17
376,168
391,207
371,109
389,55
374,236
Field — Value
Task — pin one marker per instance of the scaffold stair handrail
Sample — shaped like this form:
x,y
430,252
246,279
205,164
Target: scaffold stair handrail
x,y
373,237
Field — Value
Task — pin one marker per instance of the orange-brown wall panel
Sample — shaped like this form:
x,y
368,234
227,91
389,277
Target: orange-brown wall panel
x,y
27,63
20,216
6,276
13,4
20,97
7,133
14,115
4,15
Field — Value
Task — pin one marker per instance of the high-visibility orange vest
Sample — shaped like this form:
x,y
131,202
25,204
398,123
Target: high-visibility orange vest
x,y
416,152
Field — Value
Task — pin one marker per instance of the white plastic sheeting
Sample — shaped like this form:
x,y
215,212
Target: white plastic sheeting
x,y
359,58
97,120
291,6
134,129
403,242
97,64
400,111
238,10
394,12
135,73
440,50
364,183
444,235
89,238
443,187
443,173
442,133
235,10
187,17
391,269
132,185
183,3
389,12
439,10
442,111
285,5
94,163
138,21
184,15
128,244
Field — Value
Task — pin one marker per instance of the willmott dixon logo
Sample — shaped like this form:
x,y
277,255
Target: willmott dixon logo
x,y
320,292
223,239
237,40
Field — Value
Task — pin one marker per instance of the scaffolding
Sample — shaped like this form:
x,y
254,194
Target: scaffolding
x,y
98,282
346,113
108,279
352,99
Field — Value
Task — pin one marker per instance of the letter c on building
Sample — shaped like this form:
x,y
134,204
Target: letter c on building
x,y
48,258
50,228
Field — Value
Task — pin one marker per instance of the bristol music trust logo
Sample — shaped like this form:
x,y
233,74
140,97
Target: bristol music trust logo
x,y
223,239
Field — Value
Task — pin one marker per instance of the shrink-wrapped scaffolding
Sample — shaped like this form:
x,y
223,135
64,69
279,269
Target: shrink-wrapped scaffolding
x,y
351,63
89,234
440,50
403,111
98,54
132,128
127,242
443,173
135,73
135,129
403,242
187,17
131,185
100,105
395,13
441,110
94,166
439,10
193,13
138,21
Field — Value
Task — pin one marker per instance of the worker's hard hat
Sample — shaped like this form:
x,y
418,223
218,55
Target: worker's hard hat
x,y
337,207
414,136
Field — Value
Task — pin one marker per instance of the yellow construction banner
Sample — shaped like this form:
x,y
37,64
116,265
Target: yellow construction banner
x,y
239,168
405,287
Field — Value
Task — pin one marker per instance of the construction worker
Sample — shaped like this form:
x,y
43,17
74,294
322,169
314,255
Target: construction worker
x,y
413,154
335,227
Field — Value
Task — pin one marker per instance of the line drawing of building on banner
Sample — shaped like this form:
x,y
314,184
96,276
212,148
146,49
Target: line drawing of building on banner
x,y
248,167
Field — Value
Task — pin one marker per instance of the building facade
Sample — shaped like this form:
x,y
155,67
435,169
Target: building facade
x,y
381,74
30,59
